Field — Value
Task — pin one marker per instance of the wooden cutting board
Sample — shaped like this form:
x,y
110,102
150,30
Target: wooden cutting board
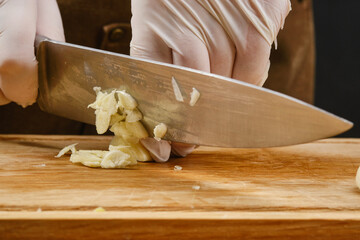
x,y
300,192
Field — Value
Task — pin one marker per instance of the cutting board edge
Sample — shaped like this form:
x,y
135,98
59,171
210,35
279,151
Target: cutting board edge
x,y
177,215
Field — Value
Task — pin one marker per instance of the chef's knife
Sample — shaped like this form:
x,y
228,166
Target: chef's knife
x,y
229,113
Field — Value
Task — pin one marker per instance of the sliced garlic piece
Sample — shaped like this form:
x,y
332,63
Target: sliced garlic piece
x,y
105,102
135,150
97,89
136,129
131,131
119,129
97,103
131,139
177,91
140,152
126,100
116,118
102,121
66,149
90,158
105,106
117,159
160,131
133,115
194,96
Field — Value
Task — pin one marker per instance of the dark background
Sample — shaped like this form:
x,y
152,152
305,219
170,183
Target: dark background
x,y
337,89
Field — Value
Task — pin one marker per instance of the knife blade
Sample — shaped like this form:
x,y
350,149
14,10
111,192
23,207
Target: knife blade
x,y
229,113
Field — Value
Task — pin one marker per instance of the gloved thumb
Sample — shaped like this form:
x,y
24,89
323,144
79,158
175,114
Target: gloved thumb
x,y
49,22
18,73
19,21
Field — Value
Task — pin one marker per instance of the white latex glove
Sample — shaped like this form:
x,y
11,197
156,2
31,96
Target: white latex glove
x,y
232,38
20,20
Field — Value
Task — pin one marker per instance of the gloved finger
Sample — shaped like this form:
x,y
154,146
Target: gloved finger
x,y
273,14
148,39
18,72
164,34
182,149
49,21
159,150
252,63
195,36
253,27
3,99
207,27
151,48
194,54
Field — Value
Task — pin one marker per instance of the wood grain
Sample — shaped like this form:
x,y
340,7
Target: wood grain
x,y
305,191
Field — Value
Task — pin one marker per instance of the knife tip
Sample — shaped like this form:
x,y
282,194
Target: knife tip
x,y
341,125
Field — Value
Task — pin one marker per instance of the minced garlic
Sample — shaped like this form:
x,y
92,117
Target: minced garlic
x,y
117,110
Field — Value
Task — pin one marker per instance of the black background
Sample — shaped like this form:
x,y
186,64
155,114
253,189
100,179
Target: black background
x,y
337,89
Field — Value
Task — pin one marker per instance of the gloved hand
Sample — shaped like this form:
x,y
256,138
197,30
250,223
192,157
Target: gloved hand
x,y
232,38
20,20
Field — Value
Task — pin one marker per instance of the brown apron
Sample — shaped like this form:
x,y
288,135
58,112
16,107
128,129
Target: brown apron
x,y
105,24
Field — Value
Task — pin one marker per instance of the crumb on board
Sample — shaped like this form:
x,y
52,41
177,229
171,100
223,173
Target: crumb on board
x,y
196,187
99,209
177,168
41,165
